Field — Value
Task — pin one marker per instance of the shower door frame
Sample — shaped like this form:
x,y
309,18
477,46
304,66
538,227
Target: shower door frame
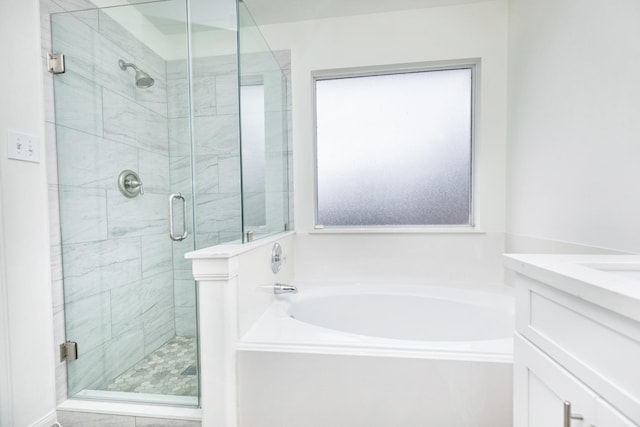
x,y
56,186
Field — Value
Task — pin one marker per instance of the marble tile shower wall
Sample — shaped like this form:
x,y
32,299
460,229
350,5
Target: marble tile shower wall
x,y
216,150
215,127
279,171
283,58
117,257
266,204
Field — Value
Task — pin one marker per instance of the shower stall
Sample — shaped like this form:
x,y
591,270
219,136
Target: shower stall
x,y
171,126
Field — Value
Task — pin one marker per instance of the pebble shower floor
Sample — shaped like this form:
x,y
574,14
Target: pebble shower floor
x,y
170,370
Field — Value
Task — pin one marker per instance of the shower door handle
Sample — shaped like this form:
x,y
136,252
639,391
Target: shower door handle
x,y
172,235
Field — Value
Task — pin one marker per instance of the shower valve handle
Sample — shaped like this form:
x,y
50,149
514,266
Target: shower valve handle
x,y
129,183
132,184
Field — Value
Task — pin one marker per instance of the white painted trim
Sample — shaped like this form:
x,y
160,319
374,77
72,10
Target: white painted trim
x,y
47,421
319,229
131,409
376,352
217,318
138,398
6,398
216,271
233,249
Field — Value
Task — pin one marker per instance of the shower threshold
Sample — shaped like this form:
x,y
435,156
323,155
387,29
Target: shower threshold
x,y
167,376
129,397
131,409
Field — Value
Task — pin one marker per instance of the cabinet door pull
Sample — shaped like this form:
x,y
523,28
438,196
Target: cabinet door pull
x,y
568,416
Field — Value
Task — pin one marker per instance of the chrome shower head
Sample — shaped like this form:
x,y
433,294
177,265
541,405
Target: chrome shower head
x,y
143,80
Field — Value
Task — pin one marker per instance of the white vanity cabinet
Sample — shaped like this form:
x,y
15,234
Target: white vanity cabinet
x,y
577,343
547,395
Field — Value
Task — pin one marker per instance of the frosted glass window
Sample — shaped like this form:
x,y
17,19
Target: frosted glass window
x,y
252,127
395,149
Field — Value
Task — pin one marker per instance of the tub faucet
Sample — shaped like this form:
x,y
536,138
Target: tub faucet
x,y
280,288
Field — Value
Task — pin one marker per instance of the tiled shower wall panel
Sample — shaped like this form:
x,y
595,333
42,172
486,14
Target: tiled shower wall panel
x,y
216,149
283,57
216,177
215,102
275,78
116,253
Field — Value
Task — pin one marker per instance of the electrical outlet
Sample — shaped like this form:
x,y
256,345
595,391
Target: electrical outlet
x,y
21,146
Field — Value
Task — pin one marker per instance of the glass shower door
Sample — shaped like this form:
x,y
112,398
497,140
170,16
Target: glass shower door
x,y
123,131
264,111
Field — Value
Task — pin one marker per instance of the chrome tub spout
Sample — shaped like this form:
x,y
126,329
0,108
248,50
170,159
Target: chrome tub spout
x,y
280,288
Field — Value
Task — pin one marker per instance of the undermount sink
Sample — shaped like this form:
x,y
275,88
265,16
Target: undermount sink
x,y
628,270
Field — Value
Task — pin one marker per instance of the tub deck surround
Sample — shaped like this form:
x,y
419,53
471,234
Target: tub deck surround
x,y
604,280
417,321
339,381
219,272
367,355
217,319
234,249
282,389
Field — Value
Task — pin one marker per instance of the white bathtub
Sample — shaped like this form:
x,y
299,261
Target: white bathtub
x,y
426,321
375,355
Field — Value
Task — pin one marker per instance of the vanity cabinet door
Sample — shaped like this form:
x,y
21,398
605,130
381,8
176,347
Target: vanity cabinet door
x,y
542,389
608,416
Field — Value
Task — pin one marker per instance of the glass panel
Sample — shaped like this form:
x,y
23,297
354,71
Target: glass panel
x,y
264,117
130,301
216,127
394,149
253,155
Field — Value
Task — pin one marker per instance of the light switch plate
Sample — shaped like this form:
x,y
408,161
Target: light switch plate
x,y
24,147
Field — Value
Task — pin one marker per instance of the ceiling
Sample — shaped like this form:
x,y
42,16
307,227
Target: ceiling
x,y
168,16
278,11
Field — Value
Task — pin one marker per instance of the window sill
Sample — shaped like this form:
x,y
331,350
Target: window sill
x,y
398,230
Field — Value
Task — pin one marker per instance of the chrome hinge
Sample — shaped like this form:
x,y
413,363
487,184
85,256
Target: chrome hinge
x,y
55,63
68,351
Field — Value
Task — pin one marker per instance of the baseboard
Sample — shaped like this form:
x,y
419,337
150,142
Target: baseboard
x,y
49,420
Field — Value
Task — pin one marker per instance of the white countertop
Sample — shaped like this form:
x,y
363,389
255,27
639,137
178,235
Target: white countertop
x,y
604,280
233,249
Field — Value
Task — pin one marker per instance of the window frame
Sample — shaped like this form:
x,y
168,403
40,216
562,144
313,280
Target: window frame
x,y
473,65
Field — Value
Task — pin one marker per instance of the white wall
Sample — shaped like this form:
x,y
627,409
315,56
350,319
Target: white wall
x,y
574,125
444,33
232,294
256,279
26,287
6,406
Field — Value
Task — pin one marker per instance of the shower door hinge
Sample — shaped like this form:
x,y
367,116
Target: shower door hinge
x,y
55,63
68,351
